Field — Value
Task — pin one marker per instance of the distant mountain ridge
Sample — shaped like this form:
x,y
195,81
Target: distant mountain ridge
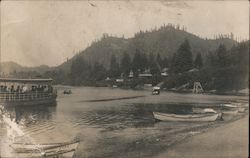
x,y
10,67
164,41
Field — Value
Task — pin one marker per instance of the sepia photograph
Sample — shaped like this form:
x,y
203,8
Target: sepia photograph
x,y
124,78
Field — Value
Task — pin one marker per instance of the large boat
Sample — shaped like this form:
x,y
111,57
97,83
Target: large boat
x,y
18,92
187,118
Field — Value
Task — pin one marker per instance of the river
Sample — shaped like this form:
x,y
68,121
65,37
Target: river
x,y
112,122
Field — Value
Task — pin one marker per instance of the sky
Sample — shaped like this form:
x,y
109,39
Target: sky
x,y
48,32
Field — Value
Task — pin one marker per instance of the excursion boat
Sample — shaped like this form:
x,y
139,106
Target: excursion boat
x,y
19,92
187,118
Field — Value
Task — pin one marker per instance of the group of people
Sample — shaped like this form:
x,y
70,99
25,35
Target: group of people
x,y
25,88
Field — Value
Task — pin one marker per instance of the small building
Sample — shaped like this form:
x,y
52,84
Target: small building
x,y
193,70
164,72
107,79
119,80
131,74
146,75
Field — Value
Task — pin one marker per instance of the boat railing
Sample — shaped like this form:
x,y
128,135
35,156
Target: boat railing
x,y
24,96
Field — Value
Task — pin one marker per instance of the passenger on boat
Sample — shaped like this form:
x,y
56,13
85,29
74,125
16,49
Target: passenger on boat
x,y
25,89
12,88
18,89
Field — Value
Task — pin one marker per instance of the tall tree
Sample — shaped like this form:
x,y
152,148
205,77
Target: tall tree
x,y
137,62
198,62
183,60
222,55
143,62
98,72
79,70
165,63
159,60
114,69
153,64
125,64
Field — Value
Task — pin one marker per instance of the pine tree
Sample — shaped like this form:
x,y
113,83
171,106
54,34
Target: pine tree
x,y
79,70
114,69
198,62
98,72
153,64
159,60
144,62
222,56
136,61
125,64
183,60
165,63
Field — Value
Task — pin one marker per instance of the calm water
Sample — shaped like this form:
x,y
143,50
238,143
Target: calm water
x,y
113,122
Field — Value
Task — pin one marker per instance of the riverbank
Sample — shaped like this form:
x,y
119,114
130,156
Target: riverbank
x,y
228,141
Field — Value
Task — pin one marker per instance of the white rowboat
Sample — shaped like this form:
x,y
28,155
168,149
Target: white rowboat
x,y
48,150
187,118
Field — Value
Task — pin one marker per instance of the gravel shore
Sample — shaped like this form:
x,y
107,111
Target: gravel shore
x,y
228,141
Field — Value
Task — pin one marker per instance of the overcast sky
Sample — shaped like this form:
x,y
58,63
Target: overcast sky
x,y
47,32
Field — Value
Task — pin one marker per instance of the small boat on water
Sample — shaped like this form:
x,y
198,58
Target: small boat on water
x,y
187,118
67,91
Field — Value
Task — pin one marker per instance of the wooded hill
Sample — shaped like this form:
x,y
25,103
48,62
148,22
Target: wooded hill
x,y
220,64
163,41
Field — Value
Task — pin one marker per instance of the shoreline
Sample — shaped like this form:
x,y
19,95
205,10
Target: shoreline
x,y
220,139
225,93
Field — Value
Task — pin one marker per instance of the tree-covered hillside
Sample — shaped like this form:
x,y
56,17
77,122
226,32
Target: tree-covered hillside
x,y
174,58
163,41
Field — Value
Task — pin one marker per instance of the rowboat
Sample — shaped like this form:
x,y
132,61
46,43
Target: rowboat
x,y
20,147
236,108
187,118
29,150
230,105
63,150
231,112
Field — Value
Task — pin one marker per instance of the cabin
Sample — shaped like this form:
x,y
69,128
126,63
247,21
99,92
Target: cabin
x,y
145,74
131,74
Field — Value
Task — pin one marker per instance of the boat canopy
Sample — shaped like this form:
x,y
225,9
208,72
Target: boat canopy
x,y
29,81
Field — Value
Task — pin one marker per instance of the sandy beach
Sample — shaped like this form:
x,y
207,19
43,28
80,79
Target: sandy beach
x,y
227,141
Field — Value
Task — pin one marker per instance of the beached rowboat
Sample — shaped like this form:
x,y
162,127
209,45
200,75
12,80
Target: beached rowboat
x,y
20,147
62,150
187,118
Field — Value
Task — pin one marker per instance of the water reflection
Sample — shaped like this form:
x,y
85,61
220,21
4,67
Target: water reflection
x,y
28,115
125,116
110,127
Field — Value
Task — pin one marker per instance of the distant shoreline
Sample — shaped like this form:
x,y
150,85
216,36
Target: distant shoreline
x,y
189,91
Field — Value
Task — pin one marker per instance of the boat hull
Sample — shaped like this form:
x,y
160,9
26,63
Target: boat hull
x,y
65,150
186,118
47,101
